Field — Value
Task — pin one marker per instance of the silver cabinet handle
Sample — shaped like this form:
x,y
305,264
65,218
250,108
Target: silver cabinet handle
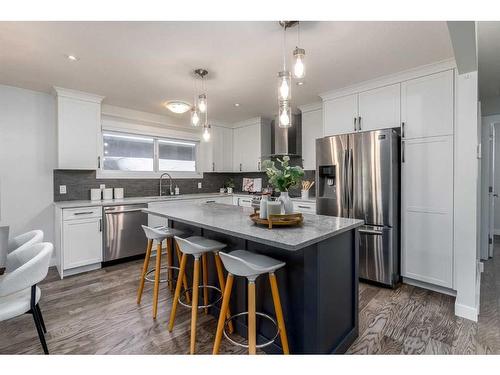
x,y
83,213
100,225
403,151
258,166
240,167
355,122
98,162
213,167
209,201
305,207
359,123
402,129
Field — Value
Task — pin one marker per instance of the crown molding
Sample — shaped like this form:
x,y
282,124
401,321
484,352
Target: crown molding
x,y
75,94
311,107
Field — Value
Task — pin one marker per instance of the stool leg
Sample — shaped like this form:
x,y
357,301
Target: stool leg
x,y
169,264
177,294
279,312
223,311
184,277
144,270
252,327
194,303
157,280
205,281
220,275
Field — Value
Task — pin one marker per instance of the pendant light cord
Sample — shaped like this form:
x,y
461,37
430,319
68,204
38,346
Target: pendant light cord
x,y
298,34
284,48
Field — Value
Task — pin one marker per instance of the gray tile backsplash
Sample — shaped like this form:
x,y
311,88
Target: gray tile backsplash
x,y
79,182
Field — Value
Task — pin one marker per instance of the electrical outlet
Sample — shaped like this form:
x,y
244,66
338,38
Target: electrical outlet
x,y
62,189
199,185
102,186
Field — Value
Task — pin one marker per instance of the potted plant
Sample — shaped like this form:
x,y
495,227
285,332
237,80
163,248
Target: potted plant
x,y
282,178
229,184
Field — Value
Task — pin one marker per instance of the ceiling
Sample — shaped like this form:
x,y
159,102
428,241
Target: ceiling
x,y
489,59
140,65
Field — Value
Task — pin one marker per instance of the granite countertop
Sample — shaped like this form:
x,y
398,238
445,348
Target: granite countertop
x,y
139,200
235,221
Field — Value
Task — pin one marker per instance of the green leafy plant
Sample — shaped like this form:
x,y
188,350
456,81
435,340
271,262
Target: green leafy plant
x,y
283,177
229,183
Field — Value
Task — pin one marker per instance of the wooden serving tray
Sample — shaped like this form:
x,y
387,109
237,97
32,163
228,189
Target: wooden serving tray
x,y
278,220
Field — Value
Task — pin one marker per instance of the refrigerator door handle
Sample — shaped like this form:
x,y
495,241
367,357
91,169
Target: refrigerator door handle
x,y
349,184
344,174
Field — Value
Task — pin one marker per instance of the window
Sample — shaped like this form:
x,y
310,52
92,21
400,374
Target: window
x,y
138,153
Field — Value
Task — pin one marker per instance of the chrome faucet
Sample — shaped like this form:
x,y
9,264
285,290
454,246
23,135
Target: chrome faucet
x,y
170,178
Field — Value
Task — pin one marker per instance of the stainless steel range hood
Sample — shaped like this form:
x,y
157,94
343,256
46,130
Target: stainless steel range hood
x,y
287,141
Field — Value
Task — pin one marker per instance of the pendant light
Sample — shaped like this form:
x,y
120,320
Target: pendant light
x,y
202,98
299,69
284,86
201,106
195,119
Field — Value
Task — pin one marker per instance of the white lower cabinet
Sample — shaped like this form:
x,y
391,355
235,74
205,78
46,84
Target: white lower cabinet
x,y
304,207
81,237
427,210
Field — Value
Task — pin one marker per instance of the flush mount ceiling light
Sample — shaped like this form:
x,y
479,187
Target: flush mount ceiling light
x,y
177,106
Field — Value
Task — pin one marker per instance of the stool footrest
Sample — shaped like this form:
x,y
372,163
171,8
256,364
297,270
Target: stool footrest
x,y
263,345
152,280
202,306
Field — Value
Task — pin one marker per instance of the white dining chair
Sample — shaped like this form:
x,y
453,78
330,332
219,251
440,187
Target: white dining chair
x,y
25,240
19,293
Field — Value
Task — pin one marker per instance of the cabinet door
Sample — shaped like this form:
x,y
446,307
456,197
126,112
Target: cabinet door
x,y
312,128
78,132
427,210
247,148
238,145
339,115
380,108
427,106
224,152
82,242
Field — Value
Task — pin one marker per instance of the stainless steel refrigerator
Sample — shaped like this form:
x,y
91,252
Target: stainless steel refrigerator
x,y
358,176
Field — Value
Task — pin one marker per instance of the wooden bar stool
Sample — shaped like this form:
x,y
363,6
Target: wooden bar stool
x,y
198,247
251,265
159,234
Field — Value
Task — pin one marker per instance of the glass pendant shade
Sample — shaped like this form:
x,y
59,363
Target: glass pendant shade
x,y
285,114
284,85
206,133
202,103
195,119
299,69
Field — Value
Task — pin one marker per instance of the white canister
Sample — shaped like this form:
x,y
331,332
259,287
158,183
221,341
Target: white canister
x,y
230,190
118,192
107,194
263,207
273,208
304,195
95,194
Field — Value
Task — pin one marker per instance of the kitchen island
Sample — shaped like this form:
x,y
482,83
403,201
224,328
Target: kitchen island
x,y
318,285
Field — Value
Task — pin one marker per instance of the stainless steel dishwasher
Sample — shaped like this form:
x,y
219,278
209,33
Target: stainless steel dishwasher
x,y
123,234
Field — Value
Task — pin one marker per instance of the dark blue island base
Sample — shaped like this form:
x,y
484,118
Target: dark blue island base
x,y
318,289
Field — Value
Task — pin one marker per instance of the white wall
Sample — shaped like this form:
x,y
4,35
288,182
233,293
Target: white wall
x,y
486,120
465,197
27,160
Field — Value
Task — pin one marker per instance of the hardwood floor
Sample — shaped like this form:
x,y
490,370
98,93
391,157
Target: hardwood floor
x,y
96,313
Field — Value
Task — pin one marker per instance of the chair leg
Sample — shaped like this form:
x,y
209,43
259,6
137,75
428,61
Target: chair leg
x,y
205,281
144,271
279,312
183,277
223,312
36,318
170,271
220,275
177,294
194,303
252,326
37,306
157,280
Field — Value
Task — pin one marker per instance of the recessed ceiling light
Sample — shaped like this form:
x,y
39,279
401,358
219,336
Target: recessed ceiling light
x,y
300,83
236,104
177,106
72,58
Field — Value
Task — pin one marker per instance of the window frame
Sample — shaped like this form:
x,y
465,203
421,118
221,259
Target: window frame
x,y
156,173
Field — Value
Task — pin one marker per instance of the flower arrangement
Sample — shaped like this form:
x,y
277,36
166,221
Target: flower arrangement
x,y
284,176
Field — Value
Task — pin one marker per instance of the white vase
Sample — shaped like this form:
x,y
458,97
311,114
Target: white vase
x,y
286,202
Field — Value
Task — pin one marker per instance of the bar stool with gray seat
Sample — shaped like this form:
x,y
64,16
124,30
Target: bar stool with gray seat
x,y
159,234
250,265
198,247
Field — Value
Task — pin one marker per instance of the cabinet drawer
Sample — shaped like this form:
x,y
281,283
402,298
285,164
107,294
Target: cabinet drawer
x,y
245,202
304,207
81,213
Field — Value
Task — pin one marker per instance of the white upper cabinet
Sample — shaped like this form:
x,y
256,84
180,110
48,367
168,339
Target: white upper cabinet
x,y
251,142
78,128
312,128
340,114
380,108
427,106
221,149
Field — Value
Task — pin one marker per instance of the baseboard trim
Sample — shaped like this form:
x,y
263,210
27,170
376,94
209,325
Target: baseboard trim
x,y
467,312
434,288
496,232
